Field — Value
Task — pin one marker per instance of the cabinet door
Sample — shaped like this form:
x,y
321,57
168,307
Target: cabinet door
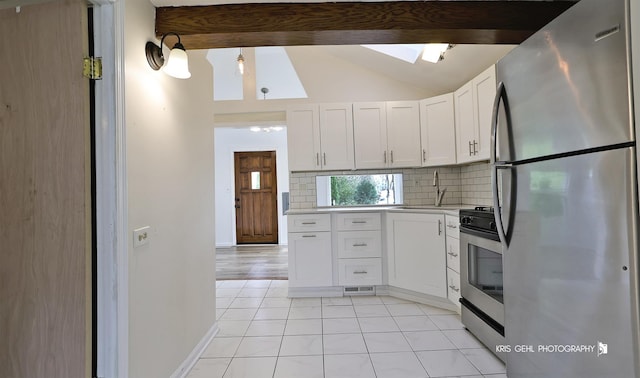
x,y
416,253
310,259
484,93
465,123
437,131
370,135
403,134
303,138
336,136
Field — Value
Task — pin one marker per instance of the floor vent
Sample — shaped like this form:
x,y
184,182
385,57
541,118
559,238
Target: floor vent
x,y
359,290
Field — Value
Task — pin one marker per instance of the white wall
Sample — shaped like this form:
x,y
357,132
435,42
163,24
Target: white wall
x,y
228,141
169,147
326,79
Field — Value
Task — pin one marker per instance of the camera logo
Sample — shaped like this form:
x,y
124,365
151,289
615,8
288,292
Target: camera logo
x,y
602,348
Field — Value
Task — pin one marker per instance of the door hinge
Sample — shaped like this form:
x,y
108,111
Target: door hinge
x,y
92,68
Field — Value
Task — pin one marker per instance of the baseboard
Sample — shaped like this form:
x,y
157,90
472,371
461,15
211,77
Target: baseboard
x,y
417,297
224,245
305,292
186,366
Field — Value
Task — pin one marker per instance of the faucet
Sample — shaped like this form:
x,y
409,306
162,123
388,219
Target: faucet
x,y
439,194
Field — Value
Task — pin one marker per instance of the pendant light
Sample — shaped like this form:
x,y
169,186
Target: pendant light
x,y
241,62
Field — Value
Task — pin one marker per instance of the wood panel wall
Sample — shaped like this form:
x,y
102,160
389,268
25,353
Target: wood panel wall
x,y
44,192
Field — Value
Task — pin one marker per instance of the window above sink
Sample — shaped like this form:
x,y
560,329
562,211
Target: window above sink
x,y
359,190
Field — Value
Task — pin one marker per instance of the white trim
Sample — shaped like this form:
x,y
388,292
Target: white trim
x,y
109,336
414,296
306,292
122,245
186,365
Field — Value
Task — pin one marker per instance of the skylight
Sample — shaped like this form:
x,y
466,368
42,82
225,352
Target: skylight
x,y
407,53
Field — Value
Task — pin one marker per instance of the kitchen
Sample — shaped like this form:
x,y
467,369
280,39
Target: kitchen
x,y
165,289
376,275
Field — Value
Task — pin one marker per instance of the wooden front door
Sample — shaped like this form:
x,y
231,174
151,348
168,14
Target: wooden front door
x,y
256,197
45,192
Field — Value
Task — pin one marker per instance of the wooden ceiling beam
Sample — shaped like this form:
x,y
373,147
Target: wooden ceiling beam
x,y
352,23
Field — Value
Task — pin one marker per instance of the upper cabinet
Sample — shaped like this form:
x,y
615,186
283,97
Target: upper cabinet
x,y
387,134
320,137
437,131
473,109
336,136
403,133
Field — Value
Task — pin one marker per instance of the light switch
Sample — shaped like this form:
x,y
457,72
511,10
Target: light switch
x,y
141,236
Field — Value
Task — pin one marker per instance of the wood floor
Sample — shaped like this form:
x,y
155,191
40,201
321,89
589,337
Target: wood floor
x,y
252,262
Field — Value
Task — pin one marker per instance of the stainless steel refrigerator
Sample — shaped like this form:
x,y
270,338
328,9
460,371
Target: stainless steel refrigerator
x,y
565,194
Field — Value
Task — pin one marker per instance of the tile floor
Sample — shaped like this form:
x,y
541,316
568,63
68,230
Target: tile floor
x,y
265,334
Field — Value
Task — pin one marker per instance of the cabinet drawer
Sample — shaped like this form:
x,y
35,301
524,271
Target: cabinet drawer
x,y
360,271
309,222
453,226
357,221
453,254
453,286
357,244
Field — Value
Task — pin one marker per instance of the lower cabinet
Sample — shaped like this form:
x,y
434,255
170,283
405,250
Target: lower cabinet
x,y
416,253
359,272
310,257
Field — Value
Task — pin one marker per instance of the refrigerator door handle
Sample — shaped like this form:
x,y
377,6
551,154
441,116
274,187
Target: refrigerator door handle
x,y
496,201
495,165
494,122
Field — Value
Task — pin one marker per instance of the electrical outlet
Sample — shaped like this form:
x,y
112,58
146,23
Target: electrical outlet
x,y
141,236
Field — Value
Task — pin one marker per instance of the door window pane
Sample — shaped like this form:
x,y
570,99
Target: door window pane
x,y
255,180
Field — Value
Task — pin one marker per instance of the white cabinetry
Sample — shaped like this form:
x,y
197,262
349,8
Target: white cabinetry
x,y
416,253
437,131
320,137
453,258
403,133
387,135
359,249
473,109
310,257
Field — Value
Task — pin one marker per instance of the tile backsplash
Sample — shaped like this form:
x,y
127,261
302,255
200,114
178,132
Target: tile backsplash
x,y
470,184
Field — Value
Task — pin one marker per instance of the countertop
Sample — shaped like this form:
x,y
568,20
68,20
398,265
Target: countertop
x,y
447,209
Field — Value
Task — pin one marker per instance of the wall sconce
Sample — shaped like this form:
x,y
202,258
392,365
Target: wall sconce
x,y
177,62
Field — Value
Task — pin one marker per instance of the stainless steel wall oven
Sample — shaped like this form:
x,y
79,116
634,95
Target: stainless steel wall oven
x,y
481,277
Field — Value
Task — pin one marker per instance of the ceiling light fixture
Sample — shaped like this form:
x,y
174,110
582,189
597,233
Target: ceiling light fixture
x,y
434,52
177,61
241,63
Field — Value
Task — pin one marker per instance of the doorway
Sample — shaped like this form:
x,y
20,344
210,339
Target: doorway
x,y
256,197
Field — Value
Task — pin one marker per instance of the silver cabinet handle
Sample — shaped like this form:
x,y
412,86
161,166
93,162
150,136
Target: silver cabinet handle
x,y
308,222
385,157
454,288
452,225
358,222
475,149
360,245
317,158
324,158
360,272
424,155
470,152
308,236
439,227
391,156
452,254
